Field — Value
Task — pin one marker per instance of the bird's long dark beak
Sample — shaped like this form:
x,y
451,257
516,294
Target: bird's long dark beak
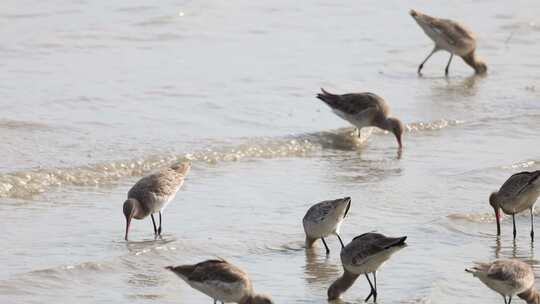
x,y
128,222
498,219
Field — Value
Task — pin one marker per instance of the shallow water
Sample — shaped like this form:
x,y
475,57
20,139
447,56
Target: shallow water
x,y
95,95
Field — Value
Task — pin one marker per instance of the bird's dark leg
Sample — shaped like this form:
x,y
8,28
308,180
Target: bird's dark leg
x,y
372,289
448,65
532,225
375,284
422,64
154,223
514,224
509,299
159,228
339,238
325,246
505,302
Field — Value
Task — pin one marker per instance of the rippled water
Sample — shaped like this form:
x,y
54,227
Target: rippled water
x,y
96,94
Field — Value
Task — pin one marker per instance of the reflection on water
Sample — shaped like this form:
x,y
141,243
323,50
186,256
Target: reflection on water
x,y
319,270
511,249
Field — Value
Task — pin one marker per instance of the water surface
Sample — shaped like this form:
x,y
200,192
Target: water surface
x,y
94,95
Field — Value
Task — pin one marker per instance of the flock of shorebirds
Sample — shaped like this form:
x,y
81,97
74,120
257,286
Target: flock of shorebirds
x,y
365,254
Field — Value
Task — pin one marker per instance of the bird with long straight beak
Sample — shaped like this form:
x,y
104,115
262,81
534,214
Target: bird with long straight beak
x,y
364,110
518,193
152,193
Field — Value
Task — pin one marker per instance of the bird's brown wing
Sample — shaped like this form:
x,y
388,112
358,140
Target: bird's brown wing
x,y
370,244
518,183
219,270
162,183
453,32
507,270
353,103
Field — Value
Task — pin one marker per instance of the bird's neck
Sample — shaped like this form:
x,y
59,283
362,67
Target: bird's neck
x,y
139,211
310,241
531,296
384,123
341,285
246,300
249,299
472,61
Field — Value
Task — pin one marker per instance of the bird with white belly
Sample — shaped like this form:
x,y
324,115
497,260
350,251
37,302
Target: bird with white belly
x,y
152,193
365,254
220,280
324,219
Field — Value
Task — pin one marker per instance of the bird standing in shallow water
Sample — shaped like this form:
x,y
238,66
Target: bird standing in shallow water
x,y
325,218
221,281
363,110
450,36
152,193
364,255
518,193
508,278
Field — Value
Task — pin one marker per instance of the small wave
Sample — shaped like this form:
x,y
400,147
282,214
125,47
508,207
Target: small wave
x,y
473,217
486,217
22,125
522,165
432,125
24,184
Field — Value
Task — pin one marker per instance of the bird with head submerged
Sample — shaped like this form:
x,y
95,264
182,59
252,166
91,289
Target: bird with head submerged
x,y
220,280
508,277
324,219
518,193
365,254
152,193
452,37
364,110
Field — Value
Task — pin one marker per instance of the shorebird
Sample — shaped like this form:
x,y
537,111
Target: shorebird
x,y
324,219
221,281
365,254
152,193
450,36
508,278
518,193
363,110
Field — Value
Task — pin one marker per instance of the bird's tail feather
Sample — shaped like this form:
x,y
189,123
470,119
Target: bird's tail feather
x,y
328,97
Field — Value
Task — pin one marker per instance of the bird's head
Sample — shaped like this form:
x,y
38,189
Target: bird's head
x,y
131,207
497,209
396,127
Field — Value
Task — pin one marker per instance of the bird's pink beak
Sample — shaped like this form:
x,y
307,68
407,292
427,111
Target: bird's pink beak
x,y
128,222
498,219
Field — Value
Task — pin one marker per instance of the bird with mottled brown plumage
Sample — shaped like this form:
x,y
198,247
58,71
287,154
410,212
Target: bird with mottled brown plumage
x,y
364,110
220,280
508,277
452,37
152,193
